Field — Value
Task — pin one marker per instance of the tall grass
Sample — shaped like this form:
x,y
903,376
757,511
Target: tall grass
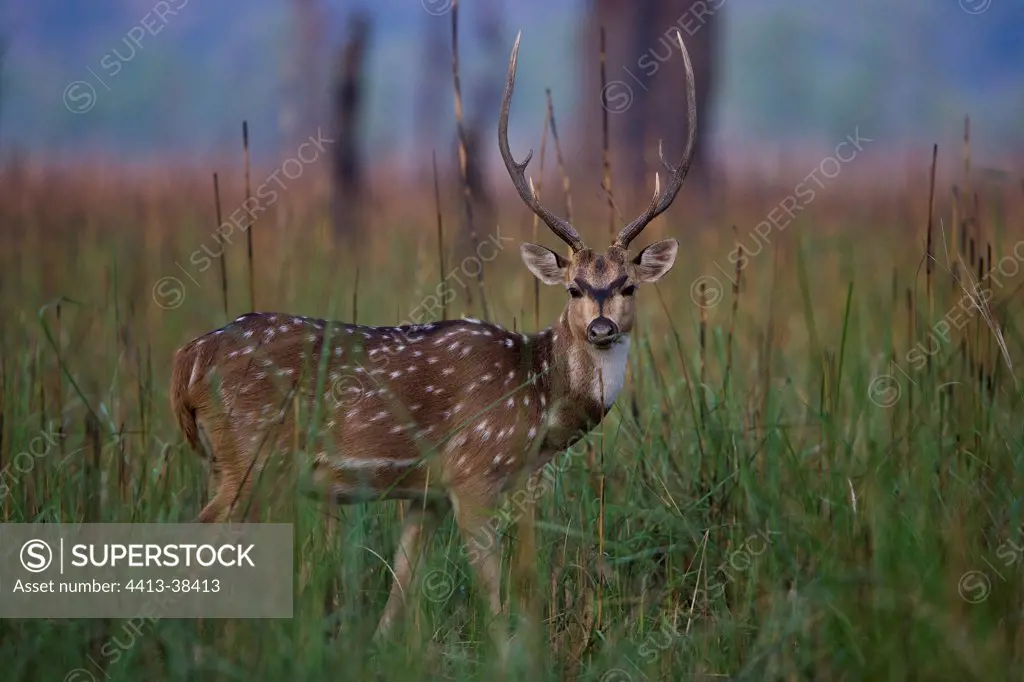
x,y
810,513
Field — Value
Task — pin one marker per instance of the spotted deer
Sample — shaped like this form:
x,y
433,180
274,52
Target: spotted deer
x,y
448,415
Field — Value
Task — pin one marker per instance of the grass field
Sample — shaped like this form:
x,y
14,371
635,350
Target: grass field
x,y
816,478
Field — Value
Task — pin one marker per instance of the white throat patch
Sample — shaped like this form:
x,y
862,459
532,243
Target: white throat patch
x,y
610,368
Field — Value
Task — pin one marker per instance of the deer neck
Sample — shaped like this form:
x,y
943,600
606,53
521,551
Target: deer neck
x,y
581,382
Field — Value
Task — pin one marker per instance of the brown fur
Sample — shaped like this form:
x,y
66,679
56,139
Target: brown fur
x,y
446,412
447,415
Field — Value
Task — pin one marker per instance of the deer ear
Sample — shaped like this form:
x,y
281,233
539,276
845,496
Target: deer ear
x,y
544,263
655,260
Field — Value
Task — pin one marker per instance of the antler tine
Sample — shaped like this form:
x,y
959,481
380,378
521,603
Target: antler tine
x,y
676,174
517,170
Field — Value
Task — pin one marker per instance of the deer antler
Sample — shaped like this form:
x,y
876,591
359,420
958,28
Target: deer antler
x,y
517,171
676,174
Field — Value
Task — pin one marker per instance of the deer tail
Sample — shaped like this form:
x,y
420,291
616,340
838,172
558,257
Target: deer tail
x,y
187,368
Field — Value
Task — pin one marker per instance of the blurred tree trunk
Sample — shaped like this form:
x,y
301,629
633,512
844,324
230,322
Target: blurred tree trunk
x,y
646,92
302,107
347,162
480,115
432,120
484,104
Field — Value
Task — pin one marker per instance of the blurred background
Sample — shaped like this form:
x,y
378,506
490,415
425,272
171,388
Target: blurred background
x,y
172,80
812,368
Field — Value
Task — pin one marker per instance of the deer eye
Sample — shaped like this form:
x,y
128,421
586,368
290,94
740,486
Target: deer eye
x,y
575,293
628,291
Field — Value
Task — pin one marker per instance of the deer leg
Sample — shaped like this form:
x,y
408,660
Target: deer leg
x,y
485,557
421,520
215,510
260,477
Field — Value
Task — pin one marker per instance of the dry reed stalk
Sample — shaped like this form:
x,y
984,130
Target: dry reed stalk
x,y
538,187
991,356
355,298
560,158
93,471
60,386
912,341
440,240
248,197
732,319
929,244
702,334
605,158
967,155
223,251
769,341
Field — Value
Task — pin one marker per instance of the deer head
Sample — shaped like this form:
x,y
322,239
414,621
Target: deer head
x,y
600,285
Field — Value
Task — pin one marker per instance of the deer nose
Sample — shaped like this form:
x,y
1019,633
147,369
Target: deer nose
x,y
602,332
